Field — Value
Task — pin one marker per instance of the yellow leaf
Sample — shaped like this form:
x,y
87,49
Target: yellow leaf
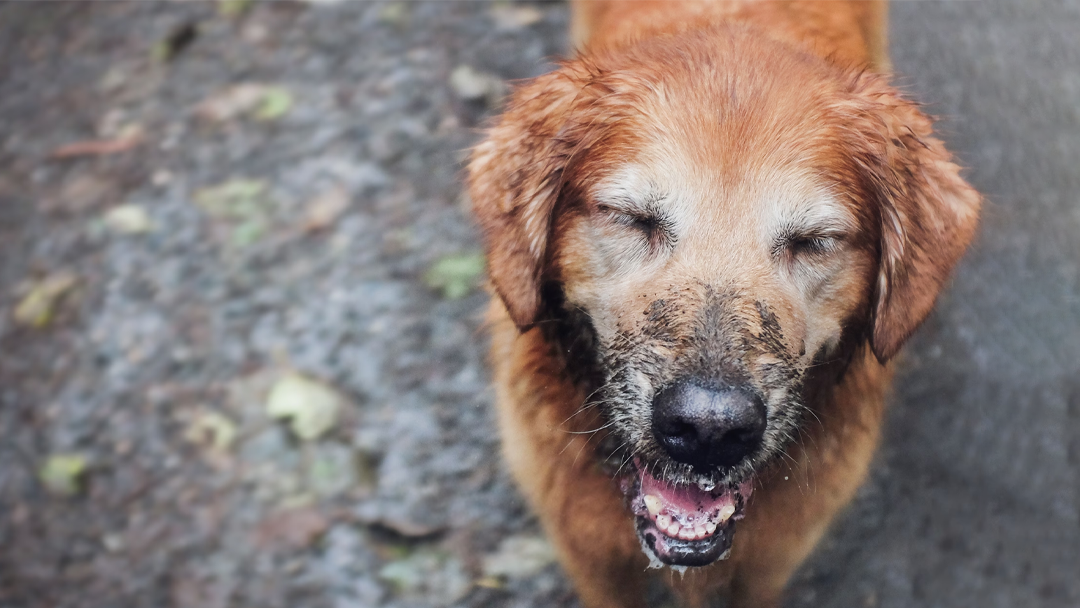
x,y
310,406
61,473
38,306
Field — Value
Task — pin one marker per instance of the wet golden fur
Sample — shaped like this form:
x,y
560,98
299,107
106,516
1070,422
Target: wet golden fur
x,y
746,118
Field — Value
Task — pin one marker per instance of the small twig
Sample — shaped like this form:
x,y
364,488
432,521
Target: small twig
x,y
96,147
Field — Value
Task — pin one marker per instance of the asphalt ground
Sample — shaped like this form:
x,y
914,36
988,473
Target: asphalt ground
x,y
973,499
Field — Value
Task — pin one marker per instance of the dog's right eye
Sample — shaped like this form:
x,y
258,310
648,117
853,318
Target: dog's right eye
x,y
653,227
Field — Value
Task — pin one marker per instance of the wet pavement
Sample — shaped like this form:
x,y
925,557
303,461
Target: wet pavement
x,y
291,203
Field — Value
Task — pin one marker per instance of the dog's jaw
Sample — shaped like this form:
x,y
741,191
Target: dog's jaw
x,y
683,525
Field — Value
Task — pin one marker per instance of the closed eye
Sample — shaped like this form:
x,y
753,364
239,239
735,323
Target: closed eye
x,y
809,245
655,228
806,244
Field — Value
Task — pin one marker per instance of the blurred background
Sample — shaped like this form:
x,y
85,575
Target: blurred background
x,y
241,353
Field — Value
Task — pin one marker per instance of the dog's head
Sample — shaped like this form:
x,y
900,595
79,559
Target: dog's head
x,y
728,219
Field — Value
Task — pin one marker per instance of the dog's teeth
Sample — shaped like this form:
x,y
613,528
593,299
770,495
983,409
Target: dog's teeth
x,y
663,521
705,485
726,511
673,529
653,504
699,531
710,527
686,534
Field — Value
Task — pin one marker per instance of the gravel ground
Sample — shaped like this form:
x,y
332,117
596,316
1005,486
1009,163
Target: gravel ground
x,y
282,197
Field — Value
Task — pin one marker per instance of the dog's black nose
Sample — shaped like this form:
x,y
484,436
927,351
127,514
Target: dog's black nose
x,y
706,427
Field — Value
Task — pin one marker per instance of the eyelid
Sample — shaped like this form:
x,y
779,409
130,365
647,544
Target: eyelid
x,y
629,210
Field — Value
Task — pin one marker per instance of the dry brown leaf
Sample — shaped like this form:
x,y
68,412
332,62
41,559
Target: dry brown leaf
x,y
322,211
292,528
231,103
81,193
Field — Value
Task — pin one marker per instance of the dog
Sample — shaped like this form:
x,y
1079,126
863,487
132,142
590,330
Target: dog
x,y
708,235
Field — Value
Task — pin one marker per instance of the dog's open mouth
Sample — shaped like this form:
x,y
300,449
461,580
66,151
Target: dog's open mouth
x,y
684,525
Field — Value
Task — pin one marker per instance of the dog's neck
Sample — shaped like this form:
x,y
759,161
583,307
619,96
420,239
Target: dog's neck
x,y
851,34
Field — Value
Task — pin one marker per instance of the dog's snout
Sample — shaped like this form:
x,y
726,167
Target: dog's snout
x,y
708,427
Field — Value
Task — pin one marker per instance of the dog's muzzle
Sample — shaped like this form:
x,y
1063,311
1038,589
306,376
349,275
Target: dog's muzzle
x,y
711,428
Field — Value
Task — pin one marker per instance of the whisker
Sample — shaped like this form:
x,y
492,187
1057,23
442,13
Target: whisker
x,y
590,432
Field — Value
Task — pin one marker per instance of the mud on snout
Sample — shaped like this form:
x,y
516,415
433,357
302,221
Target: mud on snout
x,y
730,350
700,393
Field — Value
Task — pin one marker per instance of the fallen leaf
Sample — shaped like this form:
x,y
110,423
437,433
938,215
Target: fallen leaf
x,y
294,528
431,573
236,199
394,13
310,406
233,8
275,103
232,102
98,147
81,193
256,100
512,18
61,474
456,275
472,85
44,297
400,523
128,219
211,429
325,209
489,582
519,557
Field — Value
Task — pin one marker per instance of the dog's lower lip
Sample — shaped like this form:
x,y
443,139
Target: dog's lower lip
x,y
680,552
684,525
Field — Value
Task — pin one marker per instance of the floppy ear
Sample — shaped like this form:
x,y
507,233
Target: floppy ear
x,y
928,212
515,178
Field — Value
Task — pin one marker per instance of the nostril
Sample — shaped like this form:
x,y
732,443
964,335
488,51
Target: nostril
x,y
679,439
678,430
742,436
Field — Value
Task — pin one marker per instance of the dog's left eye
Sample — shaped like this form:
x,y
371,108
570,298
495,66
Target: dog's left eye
x,y
806,245
809,245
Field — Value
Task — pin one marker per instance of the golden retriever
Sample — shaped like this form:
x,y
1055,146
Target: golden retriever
x,y
708,233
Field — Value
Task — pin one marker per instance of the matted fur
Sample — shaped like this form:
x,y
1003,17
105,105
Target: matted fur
x,y
709,190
